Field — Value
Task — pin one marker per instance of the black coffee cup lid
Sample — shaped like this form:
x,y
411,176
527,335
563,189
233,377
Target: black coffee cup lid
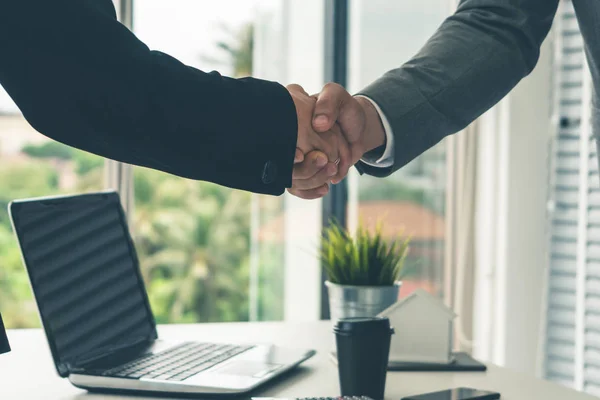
x,y
362,325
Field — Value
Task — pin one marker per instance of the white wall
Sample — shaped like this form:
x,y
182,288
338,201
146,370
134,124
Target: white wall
x,y
511,222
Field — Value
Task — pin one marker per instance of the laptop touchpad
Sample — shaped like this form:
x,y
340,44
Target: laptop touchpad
x,y
248,368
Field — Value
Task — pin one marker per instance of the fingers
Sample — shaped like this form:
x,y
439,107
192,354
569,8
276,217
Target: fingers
x,y
309,140
334,145
316,170
310,194
327,143
345,154
327,110
313,163
322,177
311,177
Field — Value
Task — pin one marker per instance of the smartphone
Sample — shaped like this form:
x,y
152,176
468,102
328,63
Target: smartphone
x,y
457,394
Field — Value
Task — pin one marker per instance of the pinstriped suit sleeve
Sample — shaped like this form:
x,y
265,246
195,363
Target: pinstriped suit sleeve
x,y
472,61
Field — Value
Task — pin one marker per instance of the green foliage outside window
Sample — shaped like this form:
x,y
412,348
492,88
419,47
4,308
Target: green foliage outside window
x,y
192,239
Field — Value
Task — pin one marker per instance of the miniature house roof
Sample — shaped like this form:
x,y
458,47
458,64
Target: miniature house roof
x,y
421,295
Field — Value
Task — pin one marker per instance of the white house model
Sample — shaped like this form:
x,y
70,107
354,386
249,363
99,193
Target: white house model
x,y
423,328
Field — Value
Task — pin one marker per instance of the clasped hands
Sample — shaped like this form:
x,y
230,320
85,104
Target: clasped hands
x,y
335,130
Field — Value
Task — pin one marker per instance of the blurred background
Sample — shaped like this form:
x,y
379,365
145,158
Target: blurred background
x,y
505,216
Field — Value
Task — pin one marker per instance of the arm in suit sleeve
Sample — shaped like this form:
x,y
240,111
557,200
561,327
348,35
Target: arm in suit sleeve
x,y
82,78
472,61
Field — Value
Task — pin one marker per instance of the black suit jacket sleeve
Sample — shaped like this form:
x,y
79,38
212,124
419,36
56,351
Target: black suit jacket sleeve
x,y
82,78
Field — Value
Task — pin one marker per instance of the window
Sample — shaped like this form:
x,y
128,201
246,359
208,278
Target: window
x,y
209,253
383,35
572,342
32,165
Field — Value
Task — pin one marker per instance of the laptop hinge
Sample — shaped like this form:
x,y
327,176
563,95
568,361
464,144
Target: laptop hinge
x,y
80,364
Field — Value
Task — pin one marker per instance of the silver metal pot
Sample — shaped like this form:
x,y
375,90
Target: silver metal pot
x,y
360,301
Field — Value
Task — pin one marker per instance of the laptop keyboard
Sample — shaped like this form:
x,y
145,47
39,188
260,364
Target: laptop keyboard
x,y
177,363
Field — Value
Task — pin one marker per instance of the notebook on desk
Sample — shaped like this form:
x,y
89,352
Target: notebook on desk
x,y
86,280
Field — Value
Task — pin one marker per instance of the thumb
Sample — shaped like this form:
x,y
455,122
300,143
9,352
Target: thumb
x,y
327,109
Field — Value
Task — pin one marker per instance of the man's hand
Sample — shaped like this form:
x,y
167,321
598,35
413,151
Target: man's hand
x,y
358,119
311,177
360,124
308,140
318,154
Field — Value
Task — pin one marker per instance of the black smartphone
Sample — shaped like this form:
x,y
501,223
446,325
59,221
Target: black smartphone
x,y
456,394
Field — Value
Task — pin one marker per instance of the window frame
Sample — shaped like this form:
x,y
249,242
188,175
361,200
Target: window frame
x,y
511,222
335,204
119,176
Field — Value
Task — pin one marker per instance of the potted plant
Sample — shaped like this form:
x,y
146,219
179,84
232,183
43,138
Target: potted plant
x,y
363,272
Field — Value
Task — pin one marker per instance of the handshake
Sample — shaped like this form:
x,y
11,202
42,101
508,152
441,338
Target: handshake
x,y
335,130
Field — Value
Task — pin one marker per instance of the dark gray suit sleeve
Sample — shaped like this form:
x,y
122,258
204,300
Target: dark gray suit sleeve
x,y
472,61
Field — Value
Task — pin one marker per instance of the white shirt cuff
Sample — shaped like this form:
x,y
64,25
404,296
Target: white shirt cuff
x,y
387,159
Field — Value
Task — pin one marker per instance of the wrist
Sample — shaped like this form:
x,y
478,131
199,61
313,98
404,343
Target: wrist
x,y
374,134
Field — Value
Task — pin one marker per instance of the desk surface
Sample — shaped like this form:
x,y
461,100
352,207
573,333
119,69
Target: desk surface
x,y
28,373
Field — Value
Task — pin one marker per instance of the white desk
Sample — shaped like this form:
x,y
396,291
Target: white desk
x,y
28,372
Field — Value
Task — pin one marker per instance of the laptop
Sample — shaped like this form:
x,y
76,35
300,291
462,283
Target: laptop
x,y
85,276
4,345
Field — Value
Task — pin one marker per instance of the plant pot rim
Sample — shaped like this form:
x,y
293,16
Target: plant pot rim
x,y
396,284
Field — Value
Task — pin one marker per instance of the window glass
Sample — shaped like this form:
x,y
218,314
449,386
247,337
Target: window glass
x,y
383,35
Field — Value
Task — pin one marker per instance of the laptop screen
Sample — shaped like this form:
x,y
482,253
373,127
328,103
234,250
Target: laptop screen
x,y
84,273
4,345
